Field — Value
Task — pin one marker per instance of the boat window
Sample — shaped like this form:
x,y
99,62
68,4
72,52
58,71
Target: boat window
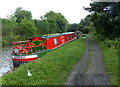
x,y
67,38
71,36
55,41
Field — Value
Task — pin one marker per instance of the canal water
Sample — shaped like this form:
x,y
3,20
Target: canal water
x,y
6,63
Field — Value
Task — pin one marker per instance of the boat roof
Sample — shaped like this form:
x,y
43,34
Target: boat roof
x,y
54,35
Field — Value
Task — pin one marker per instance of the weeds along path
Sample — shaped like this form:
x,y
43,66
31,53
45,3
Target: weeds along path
x,y
89,70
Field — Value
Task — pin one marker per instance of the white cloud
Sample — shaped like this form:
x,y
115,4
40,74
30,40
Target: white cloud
x,y
71,9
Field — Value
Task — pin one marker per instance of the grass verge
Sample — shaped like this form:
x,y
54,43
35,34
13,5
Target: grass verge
x,y
51,69
110,60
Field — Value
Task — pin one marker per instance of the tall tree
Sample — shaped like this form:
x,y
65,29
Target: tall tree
x,y
28,28
57,22
62,23
8,26
106,18
86,25
20,14
42,26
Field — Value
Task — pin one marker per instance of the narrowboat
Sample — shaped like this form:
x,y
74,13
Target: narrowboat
x,y
32,48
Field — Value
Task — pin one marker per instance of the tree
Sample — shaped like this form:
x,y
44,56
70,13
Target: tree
x,y
8,30
8,26
86,25
57,22
28,28
42,27
62,23
73,27
106,18
20,14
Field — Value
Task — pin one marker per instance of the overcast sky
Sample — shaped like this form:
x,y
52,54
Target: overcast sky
x,y
71,9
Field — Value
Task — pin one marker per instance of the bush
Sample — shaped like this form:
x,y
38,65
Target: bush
x,y
7,41
111,43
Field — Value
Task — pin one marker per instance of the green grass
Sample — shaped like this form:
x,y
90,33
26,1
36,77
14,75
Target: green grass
x,y
51,69
111,63
110,60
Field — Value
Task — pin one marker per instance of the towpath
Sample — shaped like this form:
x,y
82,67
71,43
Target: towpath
x,y
90,69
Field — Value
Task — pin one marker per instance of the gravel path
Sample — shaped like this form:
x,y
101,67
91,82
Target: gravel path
x,y
89,70
6,63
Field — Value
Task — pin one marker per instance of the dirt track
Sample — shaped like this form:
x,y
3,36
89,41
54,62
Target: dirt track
x,y
89,70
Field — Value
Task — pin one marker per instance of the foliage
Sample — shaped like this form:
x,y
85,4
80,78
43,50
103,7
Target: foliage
x,y
28,29
13,31
106,18
111,43
21,14
42,27
110,60
51,22
8,28
21,26
73,27
57,22
51,69
86,25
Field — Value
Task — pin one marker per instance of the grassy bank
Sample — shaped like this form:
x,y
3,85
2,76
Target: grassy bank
x,y
111,63
51,69
110,60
